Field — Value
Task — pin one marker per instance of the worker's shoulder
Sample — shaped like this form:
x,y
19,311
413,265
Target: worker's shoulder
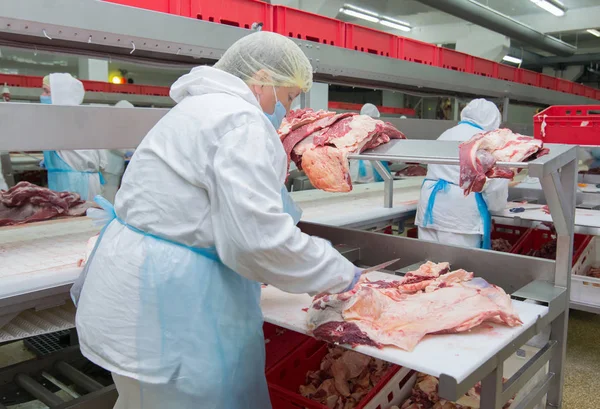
x,y
221,111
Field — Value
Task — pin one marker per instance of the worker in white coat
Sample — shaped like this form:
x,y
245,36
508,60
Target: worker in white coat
x,y
444,214
169,300
115,164
363,171
76,171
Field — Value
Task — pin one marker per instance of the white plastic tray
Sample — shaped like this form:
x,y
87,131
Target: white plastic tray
x,y
456,355
42,255
583,217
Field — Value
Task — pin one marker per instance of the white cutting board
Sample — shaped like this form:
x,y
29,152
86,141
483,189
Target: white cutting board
x,y
41,255
364,203
583,217
457,355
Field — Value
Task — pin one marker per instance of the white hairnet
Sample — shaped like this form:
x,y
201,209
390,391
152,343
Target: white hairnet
x,y
273,53
482,112
370,110
66,90
124,104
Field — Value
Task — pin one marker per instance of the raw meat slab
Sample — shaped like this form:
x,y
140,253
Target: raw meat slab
x,y
456,355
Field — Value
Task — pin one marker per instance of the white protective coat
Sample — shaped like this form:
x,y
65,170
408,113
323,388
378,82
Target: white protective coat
x,y
67,90
453,211
208,174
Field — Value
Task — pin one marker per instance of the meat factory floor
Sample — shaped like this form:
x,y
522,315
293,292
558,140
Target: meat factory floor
x,y
581,381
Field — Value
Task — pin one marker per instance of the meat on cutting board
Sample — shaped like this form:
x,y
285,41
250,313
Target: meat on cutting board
x,y
27,203
478,156
320,142
401,312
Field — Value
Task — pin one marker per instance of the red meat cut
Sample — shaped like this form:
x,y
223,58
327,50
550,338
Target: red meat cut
x,y
27,203
320,142
478,156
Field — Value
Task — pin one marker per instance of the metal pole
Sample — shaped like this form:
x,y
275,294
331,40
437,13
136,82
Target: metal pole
x,y
505,103
78,378
37,390
564,253
388,184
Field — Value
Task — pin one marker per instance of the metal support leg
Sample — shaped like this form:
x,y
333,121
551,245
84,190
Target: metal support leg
x,y
388,184
491,389
505,103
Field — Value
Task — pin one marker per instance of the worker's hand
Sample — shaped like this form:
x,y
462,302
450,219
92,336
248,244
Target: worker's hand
x,y
42,164
513,183
128,154
357,273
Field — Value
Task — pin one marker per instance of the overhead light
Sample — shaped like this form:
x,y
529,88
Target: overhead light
x,y
395,25
594,32
360,15
513,60
373,17
554,7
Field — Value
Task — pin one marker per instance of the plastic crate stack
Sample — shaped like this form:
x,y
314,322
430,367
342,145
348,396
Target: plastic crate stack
x,y
303,25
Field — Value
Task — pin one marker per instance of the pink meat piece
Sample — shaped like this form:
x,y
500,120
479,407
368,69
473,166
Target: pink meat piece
x,y
388,315
479,155
299,117
328,138
27,203
326,163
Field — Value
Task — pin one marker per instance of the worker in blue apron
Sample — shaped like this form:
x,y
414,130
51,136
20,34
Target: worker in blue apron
x,y
77,171
444,214
363,171
169,300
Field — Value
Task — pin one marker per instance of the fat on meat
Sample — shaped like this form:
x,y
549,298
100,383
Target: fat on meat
x,y
401,312
28,203
320,142
478,156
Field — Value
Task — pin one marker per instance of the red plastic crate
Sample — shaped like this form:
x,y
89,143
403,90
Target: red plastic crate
x,y
371,41
280,400
349,106
281,342
564,86
300,24
125,88
590,92
96,86
534,239
548,82
578,89
570,124
287,376
153,90
453,60
500,231
33,82
178,7
417,51
237,13
528,77
483,67
13,80
506,72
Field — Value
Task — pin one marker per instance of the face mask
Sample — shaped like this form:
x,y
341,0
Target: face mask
x,y
45,99
278,114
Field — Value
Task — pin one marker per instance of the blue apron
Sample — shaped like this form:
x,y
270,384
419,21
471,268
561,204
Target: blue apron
x,y
63,178
209,333
486,217
362,170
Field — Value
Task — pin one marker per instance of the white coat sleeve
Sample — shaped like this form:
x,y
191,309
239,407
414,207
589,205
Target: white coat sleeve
x,y
253,236
496,194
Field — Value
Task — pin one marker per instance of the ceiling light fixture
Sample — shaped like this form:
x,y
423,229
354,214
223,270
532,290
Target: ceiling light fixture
x,y
373,17
554,7
594,32
513,60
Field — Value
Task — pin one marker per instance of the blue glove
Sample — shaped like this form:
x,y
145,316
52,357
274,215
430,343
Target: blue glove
x,y
42,164
128,154
357,274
